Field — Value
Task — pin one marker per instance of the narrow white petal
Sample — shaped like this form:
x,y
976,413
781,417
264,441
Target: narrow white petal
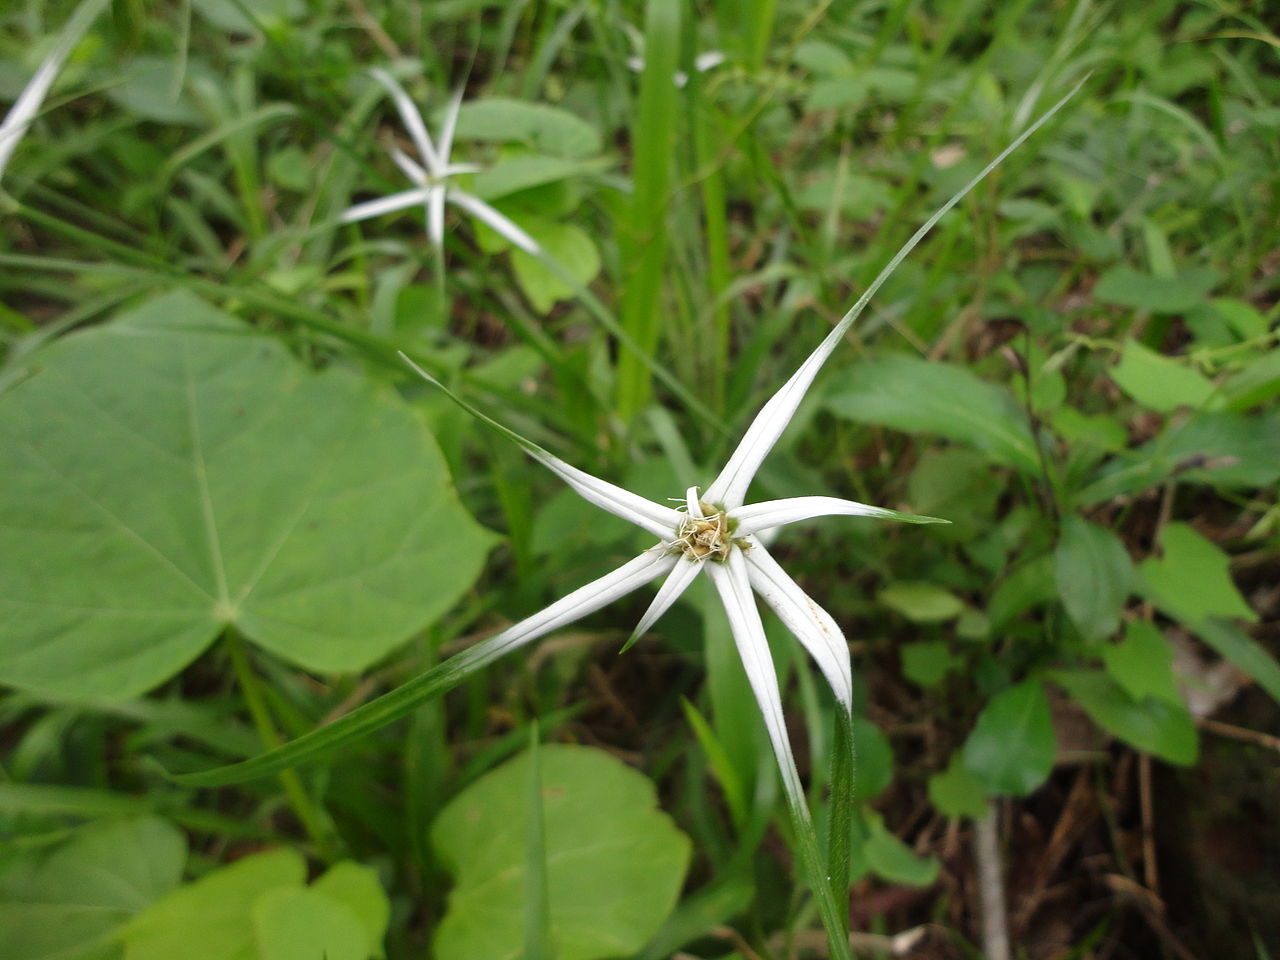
x,y
411,117
754,517
630,576
708,59
812,625
435,216
683,574
453,169
27,105
659,520
505,226
691,501
450,124
409,167
731,486
732,582
375,208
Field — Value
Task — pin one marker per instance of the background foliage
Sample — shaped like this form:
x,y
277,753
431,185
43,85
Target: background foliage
x,y
229,514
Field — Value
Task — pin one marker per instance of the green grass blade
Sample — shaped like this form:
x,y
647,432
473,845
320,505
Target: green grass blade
x,y
841,819
359,723
643,243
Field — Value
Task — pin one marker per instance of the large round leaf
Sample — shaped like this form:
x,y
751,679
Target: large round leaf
x,y
614,862
174,473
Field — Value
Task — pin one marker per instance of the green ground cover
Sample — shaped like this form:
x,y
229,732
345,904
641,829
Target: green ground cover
x,y
234,520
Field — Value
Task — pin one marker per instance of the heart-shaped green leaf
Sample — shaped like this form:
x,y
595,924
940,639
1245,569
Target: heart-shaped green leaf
x,y
174,473
614,862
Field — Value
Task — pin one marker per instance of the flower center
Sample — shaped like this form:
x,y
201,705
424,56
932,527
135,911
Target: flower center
x,y
709,537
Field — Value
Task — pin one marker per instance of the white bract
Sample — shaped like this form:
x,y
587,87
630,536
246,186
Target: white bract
x,y
431,177
715,532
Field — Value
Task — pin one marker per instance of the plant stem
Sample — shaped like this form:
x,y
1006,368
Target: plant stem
x,y
310,818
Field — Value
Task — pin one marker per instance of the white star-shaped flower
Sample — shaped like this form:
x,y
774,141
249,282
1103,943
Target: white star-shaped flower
x,y
431,177
716,532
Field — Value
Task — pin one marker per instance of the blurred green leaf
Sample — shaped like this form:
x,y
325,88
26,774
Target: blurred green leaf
x,y
1158,382
958,484
258,908
926,662
1094,576
1154,726
172,473
1192,580
357,887
565,244
917,396
615,863
209,919
1012,748
891,859
523,171
245,16
294,923
64,903
1028,585
149,87
1215,447
547,129
872,760
1127,287
921,602
957,792
1254,384
1143,663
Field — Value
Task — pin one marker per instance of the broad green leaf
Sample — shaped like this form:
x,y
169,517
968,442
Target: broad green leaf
x,y
173,473
926,662
921,602
1127,287
918,396
64,903
615,863
565,244
891,859
1143,663
1192,580
1154,726
1159,382
1011,748
957,791
297,923
1094,575
547,129
358,889
210,919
